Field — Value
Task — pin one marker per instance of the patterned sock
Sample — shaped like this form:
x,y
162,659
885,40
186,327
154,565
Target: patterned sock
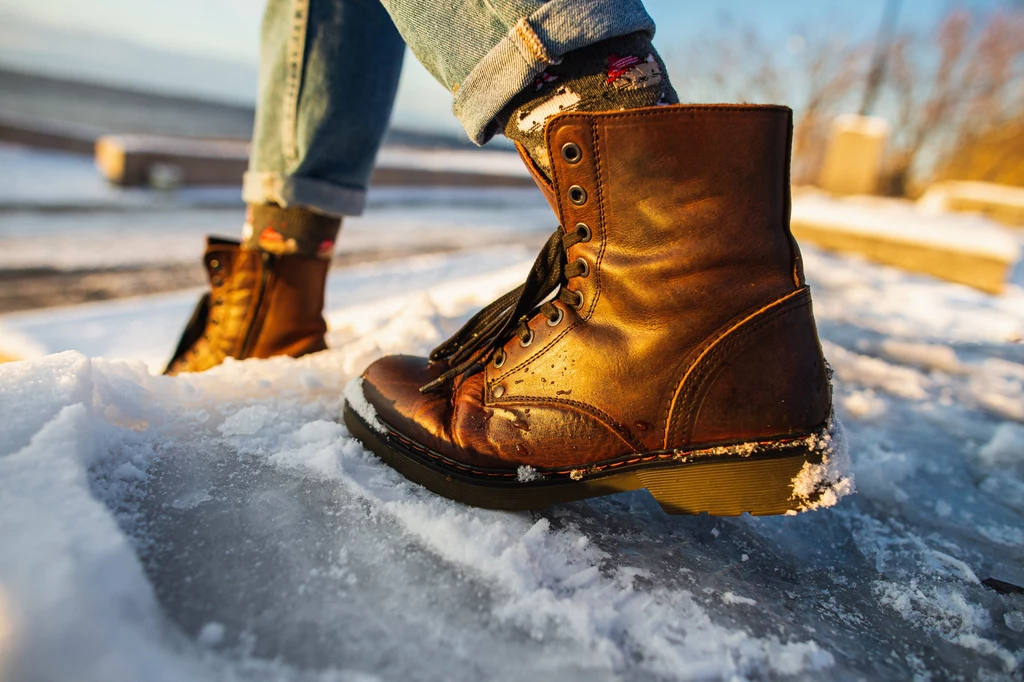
x,y
619,73
285,231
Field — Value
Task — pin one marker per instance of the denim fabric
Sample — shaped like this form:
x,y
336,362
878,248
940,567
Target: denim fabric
x,y
328,74
486,51
329,70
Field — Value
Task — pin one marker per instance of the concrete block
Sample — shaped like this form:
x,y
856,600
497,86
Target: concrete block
x,y
968,250
1002,203
139,160
853,158
167,162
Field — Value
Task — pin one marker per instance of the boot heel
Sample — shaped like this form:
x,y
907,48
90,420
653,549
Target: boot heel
x,y
757,486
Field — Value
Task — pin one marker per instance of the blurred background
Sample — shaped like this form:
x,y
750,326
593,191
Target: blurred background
x,y
124,128
947,76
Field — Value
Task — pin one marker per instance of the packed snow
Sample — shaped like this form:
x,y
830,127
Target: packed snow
x,y
225,526
902,221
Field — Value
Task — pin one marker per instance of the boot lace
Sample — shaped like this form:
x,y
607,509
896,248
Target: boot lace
x,y
487,331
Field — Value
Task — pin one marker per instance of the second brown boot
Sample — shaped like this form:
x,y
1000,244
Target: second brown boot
x,y
678,353
259,305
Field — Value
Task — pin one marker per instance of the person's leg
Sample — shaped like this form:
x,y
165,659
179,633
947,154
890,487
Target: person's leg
x,y
329,71
664,338
328,75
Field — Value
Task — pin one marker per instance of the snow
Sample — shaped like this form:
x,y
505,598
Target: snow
x,y
470,161
731,598
35,178
355,398
527,474
821,485
225,526
904,222
147,328
1005,449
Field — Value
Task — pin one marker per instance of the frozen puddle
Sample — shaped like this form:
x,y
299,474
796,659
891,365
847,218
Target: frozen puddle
x,y
224,525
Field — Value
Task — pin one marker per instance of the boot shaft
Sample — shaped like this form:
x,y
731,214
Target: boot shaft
x,y
694,301
260,305
688,207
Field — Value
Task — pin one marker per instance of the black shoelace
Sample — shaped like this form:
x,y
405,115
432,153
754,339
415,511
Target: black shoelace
x,y
490,328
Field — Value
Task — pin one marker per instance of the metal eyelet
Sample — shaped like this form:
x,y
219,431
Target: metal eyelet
x,y
217,281
528,341
579,300
555,322
577,195
583,230
499,358
498,391
586,268
215,264
571,152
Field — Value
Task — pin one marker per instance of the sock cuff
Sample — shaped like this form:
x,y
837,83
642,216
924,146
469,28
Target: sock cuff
x,y
294,230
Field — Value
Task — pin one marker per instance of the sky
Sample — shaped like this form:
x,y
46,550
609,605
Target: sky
x,y
229,30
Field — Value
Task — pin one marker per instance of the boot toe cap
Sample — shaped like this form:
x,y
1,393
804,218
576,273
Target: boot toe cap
x,y
391,385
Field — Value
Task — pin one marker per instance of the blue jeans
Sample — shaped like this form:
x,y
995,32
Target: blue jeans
x,y
329,71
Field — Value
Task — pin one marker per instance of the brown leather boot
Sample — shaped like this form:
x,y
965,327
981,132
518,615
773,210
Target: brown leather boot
x,y
260,305
680,353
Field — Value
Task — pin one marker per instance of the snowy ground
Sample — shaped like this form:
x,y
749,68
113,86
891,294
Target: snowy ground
x,y
224,525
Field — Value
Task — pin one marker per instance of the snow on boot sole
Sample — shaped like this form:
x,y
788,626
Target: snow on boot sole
x,y
761,478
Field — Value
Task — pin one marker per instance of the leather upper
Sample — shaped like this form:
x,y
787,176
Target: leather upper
x,y
259,306
694,304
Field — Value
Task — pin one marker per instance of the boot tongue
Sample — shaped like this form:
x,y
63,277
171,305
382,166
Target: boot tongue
x,y
492,326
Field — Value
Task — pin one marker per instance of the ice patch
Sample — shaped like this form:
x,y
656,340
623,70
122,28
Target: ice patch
x,y
80,605
191,500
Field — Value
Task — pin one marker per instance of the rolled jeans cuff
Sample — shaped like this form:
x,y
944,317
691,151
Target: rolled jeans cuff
x,y
328,198
534,43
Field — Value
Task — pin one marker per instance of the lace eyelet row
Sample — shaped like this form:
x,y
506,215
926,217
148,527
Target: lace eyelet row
x,y
572,154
